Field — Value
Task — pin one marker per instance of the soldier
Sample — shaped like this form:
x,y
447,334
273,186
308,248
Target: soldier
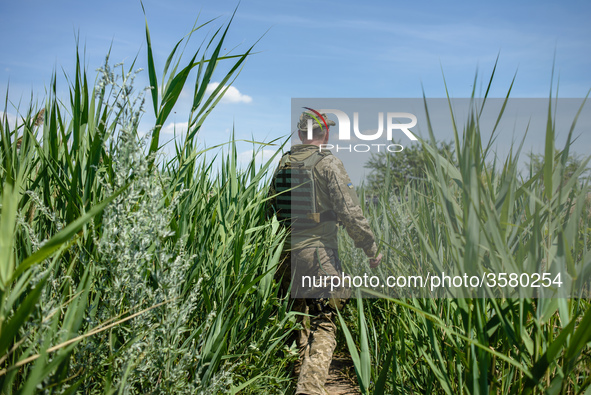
x,y
314,191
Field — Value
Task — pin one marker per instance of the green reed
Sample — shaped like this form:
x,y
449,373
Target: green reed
x,y
123,270
476,214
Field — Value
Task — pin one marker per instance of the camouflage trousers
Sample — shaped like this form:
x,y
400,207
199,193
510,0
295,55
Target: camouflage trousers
x,y
317,340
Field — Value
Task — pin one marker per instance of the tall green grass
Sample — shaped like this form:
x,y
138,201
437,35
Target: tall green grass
x,y
126,271
481,215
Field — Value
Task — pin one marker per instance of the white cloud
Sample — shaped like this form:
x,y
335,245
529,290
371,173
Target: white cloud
x,y
175,128
232,95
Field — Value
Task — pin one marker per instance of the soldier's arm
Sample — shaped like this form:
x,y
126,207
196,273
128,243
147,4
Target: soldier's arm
x,y
346,205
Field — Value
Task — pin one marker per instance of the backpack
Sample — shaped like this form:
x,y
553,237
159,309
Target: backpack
x,y
295,184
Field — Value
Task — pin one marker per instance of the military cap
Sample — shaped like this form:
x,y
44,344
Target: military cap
x,y
303,123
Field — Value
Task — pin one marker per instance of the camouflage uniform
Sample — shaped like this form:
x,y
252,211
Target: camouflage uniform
x,y
314,251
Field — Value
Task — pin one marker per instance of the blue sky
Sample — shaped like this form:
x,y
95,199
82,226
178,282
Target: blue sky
x,y
310,49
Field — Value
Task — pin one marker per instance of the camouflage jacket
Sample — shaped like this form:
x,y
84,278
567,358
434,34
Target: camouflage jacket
x,y
334,191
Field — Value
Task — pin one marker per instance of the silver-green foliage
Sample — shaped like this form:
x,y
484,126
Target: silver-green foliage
x,y
123,272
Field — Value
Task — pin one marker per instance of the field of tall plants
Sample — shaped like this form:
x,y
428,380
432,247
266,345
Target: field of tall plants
x,y
127,270
471,212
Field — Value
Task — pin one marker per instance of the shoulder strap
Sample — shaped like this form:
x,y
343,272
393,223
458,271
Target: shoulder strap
x,y
317,156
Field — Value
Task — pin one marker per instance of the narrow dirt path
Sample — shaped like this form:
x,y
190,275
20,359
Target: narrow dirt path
x,y
341,377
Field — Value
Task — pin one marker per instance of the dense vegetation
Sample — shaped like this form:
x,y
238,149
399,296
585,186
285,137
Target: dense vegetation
x,y
123,270
394,172
471,213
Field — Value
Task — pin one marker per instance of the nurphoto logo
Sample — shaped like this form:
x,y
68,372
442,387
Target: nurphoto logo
x,y
344,134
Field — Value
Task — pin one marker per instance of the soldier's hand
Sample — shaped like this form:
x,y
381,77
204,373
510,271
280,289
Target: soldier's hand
x,y
375,262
